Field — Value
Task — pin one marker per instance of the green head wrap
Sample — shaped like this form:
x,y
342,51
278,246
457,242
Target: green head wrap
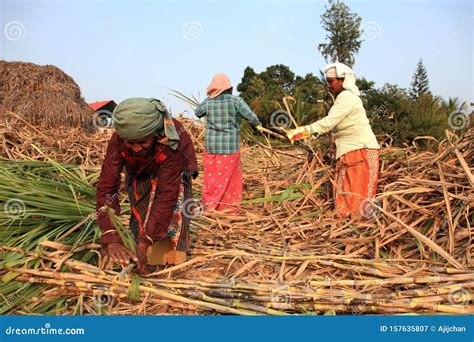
x,y
137,118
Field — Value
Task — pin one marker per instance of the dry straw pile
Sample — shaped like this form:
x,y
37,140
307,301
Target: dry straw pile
x,y
42,95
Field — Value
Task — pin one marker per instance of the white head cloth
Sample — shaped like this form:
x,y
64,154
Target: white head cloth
x,y
340,70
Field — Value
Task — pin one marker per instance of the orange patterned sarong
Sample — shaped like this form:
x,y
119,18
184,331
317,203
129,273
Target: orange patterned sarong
x,y
357,175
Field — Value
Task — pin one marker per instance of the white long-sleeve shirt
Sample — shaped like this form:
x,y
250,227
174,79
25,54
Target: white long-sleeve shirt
x,y
348,121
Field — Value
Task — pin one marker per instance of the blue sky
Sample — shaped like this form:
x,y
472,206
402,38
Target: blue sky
x,y
120,49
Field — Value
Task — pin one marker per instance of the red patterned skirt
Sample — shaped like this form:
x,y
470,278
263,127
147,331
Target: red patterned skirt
x,y
222,186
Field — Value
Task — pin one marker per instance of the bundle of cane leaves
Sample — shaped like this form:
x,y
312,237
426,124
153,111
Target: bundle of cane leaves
x,y
43,202
193,101
134,291
124,233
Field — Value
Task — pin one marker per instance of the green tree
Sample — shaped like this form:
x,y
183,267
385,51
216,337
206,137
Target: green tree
x,y
453,104
264,93
424,116
419,84
384,108
243,87
343,38
364,85
394,115
279,76
309,88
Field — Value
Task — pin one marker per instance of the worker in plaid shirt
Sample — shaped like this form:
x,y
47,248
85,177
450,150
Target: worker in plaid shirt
x,y
222,187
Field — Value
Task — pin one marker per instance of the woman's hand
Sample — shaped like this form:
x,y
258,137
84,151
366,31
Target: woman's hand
x,y
119,253
142,248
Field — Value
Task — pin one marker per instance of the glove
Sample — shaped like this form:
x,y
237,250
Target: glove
x,y
302,132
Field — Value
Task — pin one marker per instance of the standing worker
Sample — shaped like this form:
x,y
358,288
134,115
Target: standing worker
x,y
222,186
357,150
158,157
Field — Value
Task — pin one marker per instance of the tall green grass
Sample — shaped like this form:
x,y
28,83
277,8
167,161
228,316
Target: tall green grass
x,y
42,201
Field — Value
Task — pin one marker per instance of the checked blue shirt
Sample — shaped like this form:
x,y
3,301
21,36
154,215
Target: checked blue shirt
x,y
224,114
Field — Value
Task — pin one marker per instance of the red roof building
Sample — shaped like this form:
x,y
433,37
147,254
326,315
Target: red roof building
x,y
108,105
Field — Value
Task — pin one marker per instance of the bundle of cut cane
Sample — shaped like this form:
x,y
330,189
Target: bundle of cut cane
x,y
439,289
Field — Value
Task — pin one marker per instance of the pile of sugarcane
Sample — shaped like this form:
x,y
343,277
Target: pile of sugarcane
x,y
375,287
286,253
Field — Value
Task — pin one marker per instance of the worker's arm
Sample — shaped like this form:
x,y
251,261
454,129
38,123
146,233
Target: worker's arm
x,y
343,105
108,188
201,110
247,113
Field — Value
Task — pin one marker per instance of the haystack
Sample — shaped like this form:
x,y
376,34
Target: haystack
x,y
42,95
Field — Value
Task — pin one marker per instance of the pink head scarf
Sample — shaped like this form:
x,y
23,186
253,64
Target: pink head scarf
x,y
219,84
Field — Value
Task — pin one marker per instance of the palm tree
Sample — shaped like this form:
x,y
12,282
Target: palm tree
x,y
453,104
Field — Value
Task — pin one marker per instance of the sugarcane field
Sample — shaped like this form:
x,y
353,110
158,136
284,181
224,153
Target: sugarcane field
x,y
247,192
